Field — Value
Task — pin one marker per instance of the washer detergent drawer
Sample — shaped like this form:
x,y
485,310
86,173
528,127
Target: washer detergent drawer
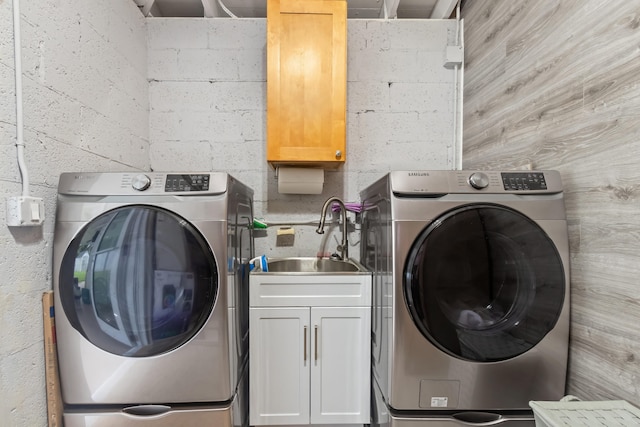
x,y
153,416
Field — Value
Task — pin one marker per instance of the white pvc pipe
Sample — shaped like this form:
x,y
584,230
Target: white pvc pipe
x,y
461,103
456,143
458,89
226,10
19,116
458,22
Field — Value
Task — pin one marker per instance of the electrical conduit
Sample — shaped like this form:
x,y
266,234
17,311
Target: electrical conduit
x,y
19,116
457,114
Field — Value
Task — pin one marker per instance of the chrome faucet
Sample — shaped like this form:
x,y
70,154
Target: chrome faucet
x,y
344,246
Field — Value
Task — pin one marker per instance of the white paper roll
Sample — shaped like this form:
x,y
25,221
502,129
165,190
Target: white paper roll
x,y
300,180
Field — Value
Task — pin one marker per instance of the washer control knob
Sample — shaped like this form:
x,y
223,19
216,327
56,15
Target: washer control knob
x,y
141,182
478,180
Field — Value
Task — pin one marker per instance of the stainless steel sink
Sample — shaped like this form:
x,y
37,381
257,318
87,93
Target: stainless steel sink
x,y
312,265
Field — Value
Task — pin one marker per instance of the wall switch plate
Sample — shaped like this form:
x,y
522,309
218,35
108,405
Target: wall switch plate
x,y
25,211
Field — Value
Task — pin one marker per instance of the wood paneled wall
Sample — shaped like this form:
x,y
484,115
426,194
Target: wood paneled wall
x,y
555,84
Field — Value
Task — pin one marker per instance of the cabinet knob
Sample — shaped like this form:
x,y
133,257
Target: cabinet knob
x,y
338,154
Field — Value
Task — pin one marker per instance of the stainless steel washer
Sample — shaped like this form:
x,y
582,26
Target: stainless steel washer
x,y
471,294
151,298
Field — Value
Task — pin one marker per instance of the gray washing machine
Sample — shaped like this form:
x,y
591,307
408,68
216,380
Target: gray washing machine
x,y
470,313
150,273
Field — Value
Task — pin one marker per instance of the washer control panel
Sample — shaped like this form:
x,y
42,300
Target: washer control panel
x,y
515,181
143,183
183,182
439,183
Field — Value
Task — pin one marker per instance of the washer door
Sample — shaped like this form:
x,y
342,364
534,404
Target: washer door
x,y
484,283
138,281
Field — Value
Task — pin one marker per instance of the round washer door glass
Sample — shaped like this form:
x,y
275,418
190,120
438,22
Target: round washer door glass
x,y
484,283
138,281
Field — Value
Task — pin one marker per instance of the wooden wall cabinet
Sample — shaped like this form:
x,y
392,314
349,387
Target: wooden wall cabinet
x,y
306,82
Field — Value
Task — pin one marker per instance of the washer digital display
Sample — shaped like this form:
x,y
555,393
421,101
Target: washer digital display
x,y
523,181
186,183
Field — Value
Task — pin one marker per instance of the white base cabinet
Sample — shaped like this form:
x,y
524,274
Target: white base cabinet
x,y
309,364
279,374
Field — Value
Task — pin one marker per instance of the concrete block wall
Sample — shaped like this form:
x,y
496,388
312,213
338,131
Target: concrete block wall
x,y
208,112
87,106
85,109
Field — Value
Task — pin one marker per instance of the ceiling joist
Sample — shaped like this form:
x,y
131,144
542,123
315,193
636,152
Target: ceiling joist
x,y
367,9
443,9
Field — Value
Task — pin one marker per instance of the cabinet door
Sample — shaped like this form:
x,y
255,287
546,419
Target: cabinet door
x,y
306,82
340,365
279,347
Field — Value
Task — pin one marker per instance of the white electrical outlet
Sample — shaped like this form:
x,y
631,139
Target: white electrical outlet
x,y
25,211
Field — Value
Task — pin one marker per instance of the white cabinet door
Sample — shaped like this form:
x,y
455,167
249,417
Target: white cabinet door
x,y
279,358
340,365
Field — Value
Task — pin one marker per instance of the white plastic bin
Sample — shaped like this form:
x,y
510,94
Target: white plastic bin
x,y
574,413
